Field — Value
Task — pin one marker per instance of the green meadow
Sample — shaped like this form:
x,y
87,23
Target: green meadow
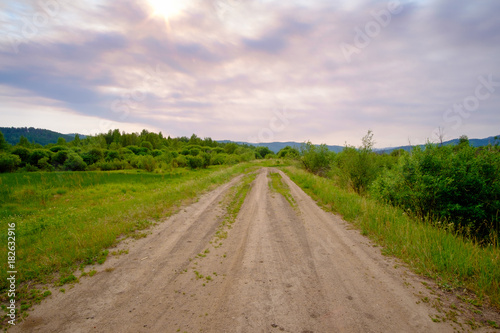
x,y
68,219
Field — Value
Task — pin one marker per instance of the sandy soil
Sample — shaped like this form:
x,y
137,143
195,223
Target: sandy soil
x,y
279,270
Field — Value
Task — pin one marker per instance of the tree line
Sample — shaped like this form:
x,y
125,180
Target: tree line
x,y
117,150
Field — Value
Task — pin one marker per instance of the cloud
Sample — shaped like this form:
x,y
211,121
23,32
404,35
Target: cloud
x,y
223,68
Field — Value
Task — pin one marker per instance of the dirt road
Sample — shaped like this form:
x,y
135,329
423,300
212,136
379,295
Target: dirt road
x,y
280,269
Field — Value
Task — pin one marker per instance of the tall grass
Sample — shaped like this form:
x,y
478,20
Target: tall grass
x,y
67,219
432,251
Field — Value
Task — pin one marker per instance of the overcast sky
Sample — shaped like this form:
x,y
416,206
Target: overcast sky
x,y
254,70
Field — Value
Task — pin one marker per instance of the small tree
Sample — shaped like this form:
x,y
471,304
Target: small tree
x,y
9,162
4,145
23,142
194,162
61,141
75,163
316,159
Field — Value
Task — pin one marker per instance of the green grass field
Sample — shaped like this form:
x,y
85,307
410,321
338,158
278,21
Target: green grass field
x,y
68,219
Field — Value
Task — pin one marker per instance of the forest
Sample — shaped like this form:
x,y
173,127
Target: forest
x,y
117,150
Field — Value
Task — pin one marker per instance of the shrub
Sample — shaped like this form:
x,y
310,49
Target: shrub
x,y
156,153
288,152
147,145
194,162
232,159
457,184
60,157
316,159
147,163
180,161
75,163
44,164
261,152
55,149
37,154
92,156
23,153
9,162
112,155
218,159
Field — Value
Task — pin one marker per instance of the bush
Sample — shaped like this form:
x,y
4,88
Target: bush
x,y
206,159
248,156
261,152
23,153
37,154
147,163
112,155
180,161
112,165
60,157
92,156
194,162
75,163
288,152
147,145
218,159
356,168
156,153
9,162
457,184
44,164
232,159
316,159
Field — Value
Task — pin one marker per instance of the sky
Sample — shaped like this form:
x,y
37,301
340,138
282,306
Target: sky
x,y
254,70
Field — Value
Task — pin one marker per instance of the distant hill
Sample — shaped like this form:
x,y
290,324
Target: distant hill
x,y
277,146
473,142
37,135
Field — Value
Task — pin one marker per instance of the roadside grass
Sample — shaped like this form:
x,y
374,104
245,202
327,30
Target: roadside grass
x,y
68,219
454,262
278,186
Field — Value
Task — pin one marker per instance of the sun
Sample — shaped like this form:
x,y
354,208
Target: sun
x,y
167,8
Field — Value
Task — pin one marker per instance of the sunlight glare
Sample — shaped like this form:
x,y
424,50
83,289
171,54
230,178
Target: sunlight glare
x,y
167,8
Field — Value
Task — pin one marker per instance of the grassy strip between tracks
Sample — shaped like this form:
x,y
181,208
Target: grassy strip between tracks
x,y
455,263
68,219
277,185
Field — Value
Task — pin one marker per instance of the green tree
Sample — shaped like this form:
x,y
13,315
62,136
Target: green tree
x,y
357,167
23,153
9,162
61,142
23,142
288,152
230,148
75,163
76,141
4,145
262,151
316,159
194,162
